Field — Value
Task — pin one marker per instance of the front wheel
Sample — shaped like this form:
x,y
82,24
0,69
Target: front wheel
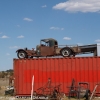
x,y
65,52
21,54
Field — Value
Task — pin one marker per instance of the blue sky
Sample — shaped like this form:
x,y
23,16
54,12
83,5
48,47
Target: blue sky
x,y
24,22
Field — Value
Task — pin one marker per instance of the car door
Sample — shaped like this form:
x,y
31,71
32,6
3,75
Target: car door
x,y
46,51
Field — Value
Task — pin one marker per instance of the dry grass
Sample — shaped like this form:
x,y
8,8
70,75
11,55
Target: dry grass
x,y
3,84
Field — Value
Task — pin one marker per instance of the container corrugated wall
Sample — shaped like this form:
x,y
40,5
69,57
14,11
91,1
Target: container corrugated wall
x,y
60,70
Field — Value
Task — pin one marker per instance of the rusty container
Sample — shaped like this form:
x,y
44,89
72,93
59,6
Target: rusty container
x,y
59,70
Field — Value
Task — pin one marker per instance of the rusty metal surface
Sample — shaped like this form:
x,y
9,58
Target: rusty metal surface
x,y
48,90
50,47
47,51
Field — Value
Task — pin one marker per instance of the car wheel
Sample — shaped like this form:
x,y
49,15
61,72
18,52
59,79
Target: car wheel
x,y
65,52
31,56
21,54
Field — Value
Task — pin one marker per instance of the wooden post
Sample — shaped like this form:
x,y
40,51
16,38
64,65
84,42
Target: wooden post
x,y
32,87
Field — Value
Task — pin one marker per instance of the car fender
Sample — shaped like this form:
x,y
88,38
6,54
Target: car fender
x,y
20,50
67,48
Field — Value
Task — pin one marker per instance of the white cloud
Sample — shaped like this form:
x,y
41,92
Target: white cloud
x,y
28,19
79,6
98,40
44,6
14,47
7,54
4,37
56,28
21,36
62,28
18,25
67,38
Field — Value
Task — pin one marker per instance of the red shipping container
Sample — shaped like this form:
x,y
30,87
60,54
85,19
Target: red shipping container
x,y
59,70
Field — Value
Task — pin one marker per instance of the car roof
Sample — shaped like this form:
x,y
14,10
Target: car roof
x,y
46,40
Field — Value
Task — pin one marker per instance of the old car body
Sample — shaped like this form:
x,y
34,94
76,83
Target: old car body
x,y
48,47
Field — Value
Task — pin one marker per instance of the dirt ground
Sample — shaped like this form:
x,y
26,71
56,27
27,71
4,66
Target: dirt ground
x,y
13,98
4,83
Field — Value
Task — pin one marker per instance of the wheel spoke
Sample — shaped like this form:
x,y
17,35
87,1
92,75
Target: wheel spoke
x,y
21,54
65,52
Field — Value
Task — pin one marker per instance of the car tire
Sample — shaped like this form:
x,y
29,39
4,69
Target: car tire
x,y
21,54
65,52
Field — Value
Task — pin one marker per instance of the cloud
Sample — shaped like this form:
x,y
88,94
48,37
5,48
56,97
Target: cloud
x,y
56,28
14,47
18,25
4,37
7,54
44,6
28,19
21,36
62,28
79,6
98,40
67,38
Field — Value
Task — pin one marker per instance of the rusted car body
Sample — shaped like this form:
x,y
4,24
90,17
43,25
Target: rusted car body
x,y
49,47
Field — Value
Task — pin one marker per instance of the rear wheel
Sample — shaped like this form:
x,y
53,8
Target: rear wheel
x,y
22,54
65,52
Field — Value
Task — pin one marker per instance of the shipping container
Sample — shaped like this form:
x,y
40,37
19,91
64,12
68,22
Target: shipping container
x,y
60,71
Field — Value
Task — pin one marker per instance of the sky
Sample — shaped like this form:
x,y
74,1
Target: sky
x,y
23,23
